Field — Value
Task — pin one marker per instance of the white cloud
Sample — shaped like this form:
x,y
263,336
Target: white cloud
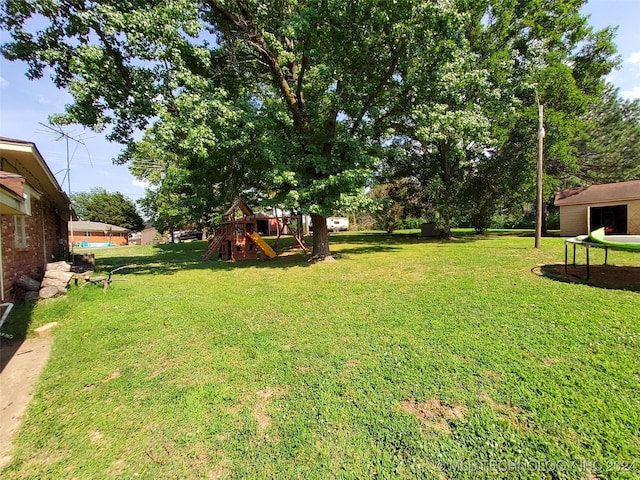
x,y
140,183
3,82
634,58
631,94
42,100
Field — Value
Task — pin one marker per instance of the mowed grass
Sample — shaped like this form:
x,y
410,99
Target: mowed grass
x,y
406,358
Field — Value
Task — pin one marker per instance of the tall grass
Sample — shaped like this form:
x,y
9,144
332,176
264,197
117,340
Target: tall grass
x,y
405,358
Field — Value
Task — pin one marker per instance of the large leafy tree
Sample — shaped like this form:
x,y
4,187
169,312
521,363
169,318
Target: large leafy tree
x,y
282,96
292,98
471,136
98,205
609,150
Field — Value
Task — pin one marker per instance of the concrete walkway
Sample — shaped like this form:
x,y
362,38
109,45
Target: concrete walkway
x,y
21,365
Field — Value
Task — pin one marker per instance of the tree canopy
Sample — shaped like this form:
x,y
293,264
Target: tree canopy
x,y
98,205
300,100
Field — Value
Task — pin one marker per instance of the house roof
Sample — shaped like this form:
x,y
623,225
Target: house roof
x,y
608,192
86,226
23,158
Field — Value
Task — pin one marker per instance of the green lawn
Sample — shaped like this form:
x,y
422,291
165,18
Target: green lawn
x,y
406,358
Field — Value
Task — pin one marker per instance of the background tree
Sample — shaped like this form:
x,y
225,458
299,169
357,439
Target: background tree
x,y
79,203
470,135
101,206
609,150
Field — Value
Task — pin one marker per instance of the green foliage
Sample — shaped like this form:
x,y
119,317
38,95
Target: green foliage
x,y
470,136
98,205
298,101
610,147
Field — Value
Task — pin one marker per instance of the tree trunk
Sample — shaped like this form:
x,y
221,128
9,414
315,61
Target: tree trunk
x,y
445,231
48,292
445,177
27,283
320,238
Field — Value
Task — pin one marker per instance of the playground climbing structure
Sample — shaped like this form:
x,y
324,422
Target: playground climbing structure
x,y
238,237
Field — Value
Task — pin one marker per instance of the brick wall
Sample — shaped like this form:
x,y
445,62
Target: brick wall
x,y
45,229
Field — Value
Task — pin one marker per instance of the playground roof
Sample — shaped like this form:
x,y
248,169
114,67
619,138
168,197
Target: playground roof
x,y
239,204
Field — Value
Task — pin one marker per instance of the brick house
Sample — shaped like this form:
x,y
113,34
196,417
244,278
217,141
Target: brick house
x,y
84,233
34,211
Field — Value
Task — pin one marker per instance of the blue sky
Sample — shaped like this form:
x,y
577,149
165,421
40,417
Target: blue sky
x,y
25,103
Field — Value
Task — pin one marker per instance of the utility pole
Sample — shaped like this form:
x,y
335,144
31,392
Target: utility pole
x,y
539,196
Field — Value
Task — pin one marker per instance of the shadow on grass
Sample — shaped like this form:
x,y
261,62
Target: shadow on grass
x,y
170,258
611,277
14,332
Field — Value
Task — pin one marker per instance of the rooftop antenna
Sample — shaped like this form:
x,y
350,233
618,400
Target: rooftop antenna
x,y
57,131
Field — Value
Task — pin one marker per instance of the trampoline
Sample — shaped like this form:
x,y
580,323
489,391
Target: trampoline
x,y
598,239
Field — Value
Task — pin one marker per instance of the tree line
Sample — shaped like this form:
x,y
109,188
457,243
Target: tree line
x,y
311,104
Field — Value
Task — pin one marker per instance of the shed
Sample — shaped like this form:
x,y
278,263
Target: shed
x,y
34,211
614,206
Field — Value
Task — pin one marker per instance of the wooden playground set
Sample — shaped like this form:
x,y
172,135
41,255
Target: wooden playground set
x,y
239,236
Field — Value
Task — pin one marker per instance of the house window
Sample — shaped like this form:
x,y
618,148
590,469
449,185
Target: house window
x,y
21,235
87,234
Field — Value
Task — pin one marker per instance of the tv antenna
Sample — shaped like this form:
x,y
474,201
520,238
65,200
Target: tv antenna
x,y
57,131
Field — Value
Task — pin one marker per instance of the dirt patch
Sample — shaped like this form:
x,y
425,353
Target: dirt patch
x,y
547,362
510,412
260,409
434,413
21,364
604,276
352,363
221,470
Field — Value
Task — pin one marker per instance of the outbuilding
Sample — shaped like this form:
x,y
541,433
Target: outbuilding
x,y
614,206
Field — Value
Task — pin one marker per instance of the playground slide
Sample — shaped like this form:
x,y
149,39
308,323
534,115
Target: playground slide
x,y
264,246
627,242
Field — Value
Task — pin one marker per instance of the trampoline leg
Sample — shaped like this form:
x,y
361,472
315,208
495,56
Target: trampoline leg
x,y
566,255
588,270
606,255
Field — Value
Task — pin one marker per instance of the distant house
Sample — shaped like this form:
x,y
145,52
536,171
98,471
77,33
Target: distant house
x,y
34,211
150,236
615,206
96,234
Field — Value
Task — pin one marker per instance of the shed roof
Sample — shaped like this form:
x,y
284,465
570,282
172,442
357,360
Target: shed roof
x,y
608,192
86,226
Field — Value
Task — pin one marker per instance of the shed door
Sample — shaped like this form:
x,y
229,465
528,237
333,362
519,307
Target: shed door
x,y
612,217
